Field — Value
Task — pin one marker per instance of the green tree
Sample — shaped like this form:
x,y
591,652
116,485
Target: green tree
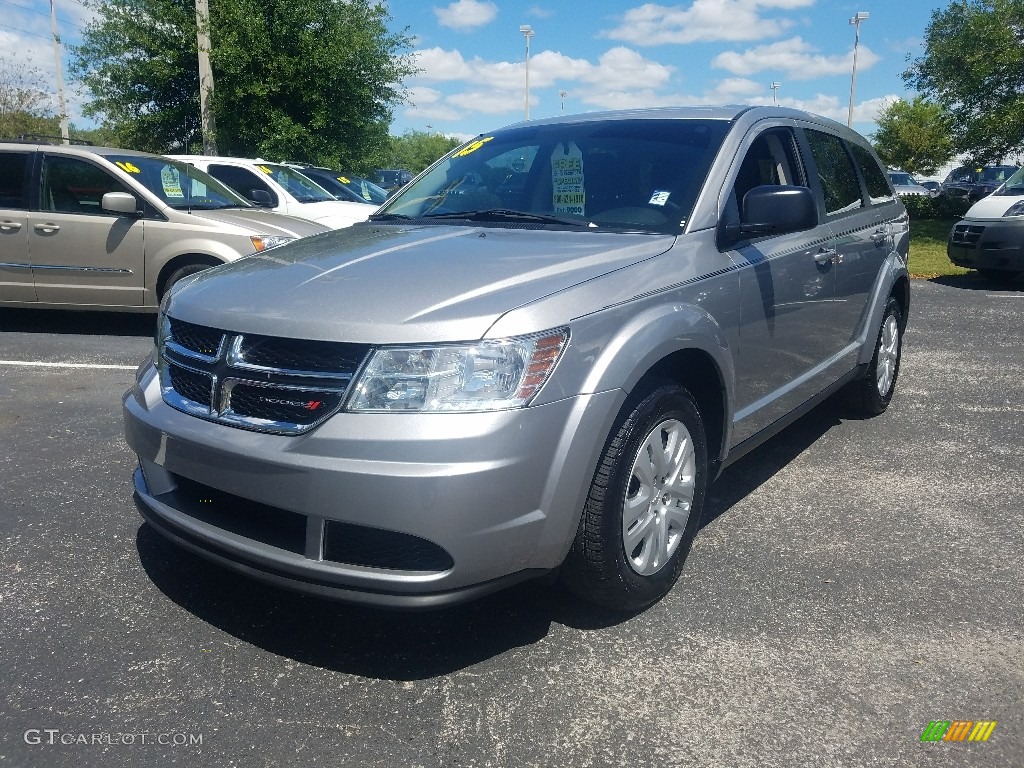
x,y
973,66
914,136
415,150
310,80
25,105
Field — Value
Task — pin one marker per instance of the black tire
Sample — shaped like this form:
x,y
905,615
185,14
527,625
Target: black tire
x,y
998,275
598,567
871,395
180,273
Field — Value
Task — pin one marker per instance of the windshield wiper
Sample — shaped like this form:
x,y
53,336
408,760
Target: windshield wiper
x,y
505,214
388,217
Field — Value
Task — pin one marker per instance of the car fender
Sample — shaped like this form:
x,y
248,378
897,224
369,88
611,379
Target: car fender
x,y
893,270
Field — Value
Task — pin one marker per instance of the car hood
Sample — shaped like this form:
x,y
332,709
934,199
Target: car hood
x,y
335,213
259,221
992,207
393,284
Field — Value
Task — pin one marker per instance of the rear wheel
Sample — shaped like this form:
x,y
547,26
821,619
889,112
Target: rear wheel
x,y
870,396
644,505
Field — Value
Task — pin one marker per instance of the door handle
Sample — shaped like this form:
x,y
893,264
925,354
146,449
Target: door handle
x,y
825,255
10,226
46,228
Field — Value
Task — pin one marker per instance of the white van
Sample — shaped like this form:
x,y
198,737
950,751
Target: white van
x,y
282,189
990,238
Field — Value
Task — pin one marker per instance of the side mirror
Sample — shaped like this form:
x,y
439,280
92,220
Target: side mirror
x,y
120,202
261,197
774,210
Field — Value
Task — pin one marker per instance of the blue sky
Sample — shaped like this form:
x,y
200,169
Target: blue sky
x,y
603,55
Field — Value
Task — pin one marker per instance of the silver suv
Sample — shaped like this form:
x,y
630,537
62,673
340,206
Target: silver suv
x,y
533,360
102,228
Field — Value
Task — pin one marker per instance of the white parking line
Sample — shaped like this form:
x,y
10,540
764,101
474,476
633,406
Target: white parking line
x,y
98,366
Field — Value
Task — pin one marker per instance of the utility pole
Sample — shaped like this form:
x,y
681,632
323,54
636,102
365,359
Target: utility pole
x,y
856,22
60,77
205,78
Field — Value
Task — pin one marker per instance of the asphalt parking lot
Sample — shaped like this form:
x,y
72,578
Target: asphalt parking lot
x,y
853,581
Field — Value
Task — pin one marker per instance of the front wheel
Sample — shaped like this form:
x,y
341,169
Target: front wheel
x,y
644,505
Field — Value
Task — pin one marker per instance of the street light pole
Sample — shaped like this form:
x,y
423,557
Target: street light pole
x,y
856,20
775,92
527,32
562,95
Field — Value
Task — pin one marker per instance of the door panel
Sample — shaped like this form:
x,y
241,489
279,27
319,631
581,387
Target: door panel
x,y
79,253
788,324
15,273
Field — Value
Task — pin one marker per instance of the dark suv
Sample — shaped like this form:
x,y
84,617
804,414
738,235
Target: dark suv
x,y
975,182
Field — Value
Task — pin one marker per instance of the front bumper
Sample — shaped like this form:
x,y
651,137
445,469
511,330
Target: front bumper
x,y
989,244
395,510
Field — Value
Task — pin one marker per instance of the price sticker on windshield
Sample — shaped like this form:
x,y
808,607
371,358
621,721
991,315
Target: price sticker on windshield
x,y
264,169
568,195
128,167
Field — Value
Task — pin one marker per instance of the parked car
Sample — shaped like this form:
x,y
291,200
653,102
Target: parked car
x,y
990,238
905,184
975,182
498,378
102,228
344,186
933,186
393,179
281,188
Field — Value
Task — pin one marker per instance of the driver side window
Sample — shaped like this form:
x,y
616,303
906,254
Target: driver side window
x,y
771,159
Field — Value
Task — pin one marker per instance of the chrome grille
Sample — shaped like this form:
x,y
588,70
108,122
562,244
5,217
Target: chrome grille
x,y
262,383
966,234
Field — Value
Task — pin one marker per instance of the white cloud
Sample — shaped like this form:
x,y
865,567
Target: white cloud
x,y
465,15
491,102
798,59
703,21
429,104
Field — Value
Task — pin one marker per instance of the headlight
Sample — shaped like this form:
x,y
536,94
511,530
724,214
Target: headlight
x,y
266,242
1017,209
488,375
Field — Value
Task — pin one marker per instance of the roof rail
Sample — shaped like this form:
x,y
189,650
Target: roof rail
x,y
42,138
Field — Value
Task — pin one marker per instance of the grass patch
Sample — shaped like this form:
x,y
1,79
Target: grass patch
x,y
928,249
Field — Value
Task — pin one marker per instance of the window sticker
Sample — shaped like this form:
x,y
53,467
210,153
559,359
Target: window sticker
x,y
265,169
471,148
170,182
659,197
567,180
344,180
128,167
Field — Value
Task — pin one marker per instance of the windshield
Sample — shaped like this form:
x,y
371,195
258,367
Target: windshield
x,y
903,180
347,186
301,187
364,188
639,175
1014,185
996,173
178,184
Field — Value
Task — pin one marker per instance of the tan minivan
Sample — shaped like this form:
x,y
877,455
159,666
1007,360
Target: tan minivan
x,y
102,228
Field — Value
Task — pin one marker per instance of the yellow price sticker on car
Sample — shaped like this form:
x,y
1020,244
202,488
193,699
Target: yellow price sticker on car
x,y
470,148
128,167
264,169
344,180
